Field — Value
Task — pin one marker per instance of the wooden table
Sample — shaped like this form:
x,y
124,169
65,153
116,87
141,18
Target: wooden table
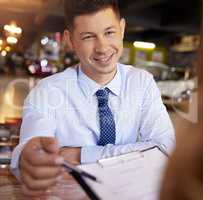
x,y
10,189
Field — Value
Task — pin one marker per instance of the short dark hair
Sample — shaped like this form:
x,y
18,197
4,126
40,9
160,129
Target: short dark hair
x,y
74,8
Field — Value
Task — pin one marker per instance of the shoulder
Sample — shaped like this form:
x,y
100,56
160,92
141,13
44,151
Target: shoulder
x,y
135,75
59,79
69,73
55,84
51,89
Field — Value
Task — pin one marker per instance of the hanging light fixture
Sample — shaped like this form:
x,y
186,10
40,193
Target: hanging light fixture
x,y
11,40
3,53
13,29
144,45
7,48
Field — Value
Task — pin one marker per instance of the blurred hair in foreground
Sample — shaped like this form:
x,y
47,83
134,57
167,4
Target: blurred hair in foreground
x,y
183,179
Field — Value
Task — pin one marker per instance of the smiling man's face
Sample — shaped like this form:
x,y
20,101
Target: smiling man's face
x,y
97,40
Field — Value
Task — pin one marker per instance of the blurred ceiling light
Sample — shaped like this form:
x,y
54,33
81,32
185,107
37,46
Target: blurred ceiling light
x,y
3,166
11,40
44,40
7,48
3,53
144,45
44,63
55,44
32,69
13,29
1,41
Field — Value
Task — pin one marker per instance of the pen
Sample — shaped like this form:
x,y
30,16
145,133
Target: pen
x,y
71,168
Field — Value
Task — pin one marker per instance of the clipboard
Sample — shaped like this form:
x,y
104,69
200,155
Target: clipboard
x,y
135,175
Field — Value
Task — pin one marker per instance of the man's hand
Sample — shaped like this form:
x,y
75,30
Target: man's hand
x,y
40,165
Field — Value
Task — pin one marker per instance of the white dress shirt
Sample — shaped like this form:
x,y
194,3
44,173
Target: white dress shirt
x,y
65,106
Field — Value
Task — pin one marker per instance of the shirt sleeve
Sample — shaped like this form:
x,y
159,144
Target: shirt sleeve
x,y
156,125
155,129
38,121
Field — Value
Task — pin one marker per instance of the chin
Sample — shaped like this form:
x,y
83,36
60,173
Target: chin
x,y
107,70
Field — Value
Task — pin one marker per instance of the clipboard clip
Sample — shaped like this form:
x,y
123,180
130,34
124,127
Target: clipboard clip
x,y
125,158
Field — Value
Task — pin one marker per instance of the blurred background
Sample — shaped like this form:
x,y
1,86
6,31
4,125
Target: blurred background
x,y
162,36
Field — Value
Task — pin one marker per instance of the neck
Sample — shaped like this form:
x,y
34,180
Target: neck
x,y
104,79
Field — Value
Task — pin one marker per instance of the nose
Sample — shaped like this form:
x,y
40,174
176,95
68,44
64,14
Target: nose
x,y
101,45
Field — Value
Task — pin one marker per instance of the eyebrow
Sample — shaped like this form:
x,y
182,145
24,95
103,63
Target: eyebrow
x,y
92,33
111,27
86,33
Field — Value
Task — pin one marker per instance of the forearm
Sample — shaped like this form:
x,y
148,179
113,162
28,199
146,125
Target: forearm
x,y
91,154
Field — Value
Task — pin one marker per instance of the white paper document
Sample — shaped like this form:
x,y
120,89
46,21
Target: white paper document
x,y
132,176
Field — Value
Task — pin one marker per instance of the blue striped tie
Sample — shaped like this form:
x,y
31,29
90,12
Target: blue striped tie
x,y
107,123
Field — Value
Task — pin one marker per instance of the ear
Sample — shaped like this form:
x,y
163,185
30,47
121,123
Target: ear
x,y
67,39
122,26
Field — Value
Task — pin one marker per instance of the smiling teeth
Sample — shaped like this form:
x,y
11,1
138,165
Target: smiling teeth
x,y
102,59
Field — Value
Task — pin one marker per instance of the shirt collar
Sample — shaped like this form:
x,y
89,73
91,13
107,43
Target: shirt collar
x,y
89,86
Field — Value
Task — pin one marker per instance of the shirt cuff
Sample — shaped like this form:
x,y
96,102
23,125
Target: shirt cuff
x,y
91,154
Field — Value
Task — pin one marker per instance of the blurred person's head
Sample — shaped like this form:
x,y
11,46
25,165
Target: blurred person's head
x,y
183,178
95,33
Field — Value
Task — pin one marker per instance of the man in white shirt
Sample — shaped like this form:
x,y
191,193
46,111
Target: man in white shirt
x,y
95,110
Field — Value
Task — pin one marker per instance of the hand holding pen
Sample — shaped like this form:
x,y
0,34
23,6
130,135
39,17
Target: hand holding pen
x,y
40,165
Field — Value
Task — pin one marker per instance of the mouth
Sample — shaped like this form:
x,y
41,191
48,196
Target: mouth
x,y
104,60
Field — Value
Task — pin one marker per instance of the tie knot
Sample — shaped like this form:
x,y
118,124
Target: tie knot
x,y
102,96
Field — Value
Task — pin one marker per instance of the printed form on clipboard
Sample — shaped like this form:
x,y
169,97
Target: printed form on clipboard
x,y
133,176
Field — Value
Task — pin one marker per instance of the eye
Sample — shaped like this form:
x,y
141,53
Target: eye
x,y
110,33
87,37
